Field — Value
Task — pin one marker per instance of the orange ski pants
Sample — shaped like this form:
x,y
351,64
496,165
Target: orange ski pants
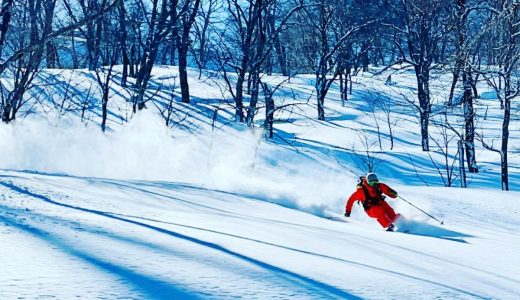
x,y
384,214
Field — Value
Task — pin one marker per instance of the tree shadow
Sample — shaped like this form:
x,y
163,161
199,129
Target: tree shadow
x,y
152,287
328,289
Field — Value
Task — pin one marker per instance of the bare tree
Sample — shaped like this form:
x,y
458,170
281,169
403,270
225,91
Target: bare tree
x,y
248,30
5,13
167,109
34,23
446,136
419,26
270,105
368,160
244,19
328,44
202,28
37,24
503,77
185,20
122,37
466,48
104,76
157,29
266,35
380,102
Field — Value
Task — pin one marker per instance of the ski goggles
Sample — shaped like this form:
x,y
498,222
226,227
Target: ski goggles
x,y
372,182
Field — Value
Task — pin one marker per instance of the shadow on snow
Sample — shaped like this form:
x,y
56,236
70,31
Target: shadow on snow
x,y
312,283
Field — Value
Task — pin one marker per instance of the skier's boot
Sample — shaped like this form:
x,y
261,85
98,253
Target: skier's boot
x,y
390,228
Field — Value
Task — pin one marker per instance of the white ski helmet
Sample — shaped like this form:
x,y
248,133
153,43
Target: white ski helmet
x,y
371,177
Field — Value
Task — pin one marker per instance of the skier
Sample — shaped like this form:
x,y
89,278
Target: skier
x,y
370,193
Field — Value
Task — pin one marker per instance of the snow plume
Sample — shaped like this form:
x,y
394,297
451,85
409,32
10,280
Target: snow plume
x,y
138,150
239,161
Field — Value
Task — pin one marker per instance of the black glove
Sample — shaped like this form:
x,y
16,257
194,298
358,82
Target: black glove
x,y
347,214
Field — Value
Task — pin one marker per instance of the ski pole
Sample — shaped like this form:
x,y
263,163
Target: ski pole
x,y
442,222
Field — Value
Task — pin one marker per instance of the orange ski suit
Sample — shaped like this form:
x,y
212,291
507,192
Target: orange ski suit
x,y
380,210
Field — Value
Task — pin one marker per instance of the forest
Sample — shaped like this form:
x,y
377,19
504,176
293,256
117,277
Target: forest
x,y
240,41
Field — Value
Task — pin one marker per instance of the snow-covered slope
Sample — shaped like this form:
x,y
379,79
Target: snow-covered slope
x,y
68,237
210,209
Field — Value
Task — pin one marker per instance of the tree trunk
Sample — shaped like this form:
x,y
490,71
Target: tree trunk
x,y
131,71
505,141
123,36
269,110
365,58
321,82
183,74
344,85
469,116
183,44
164,52
104,110
341,88
390,131
424,103
51,55
504,170
239,104
456,73
5,13
255,85
280,53
75,62
425,118
462,169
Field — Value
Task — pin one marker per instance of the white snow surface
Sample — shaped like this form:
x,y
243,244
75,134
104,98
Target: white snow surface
x,y
208,209
66,237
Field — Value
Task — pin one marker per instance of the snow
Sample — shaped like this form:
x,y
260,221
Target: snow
x,y
213,210
142,239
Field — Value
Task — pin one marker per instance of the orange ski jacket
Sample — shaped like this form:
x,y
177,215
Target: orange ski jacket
x,y
359,194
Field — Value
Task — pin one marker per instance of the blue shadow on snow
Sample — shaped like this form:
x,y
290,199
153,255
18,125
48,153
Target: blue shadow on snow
x,y
316,284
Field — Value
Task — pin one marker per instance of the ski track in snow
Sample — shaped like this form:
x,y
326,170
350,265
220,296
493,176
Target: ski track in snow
x,y
186,256
97,238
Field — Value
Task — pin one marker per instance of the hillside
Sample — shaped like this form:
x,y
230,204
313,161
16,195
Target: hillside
x,y
208,208
70,237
